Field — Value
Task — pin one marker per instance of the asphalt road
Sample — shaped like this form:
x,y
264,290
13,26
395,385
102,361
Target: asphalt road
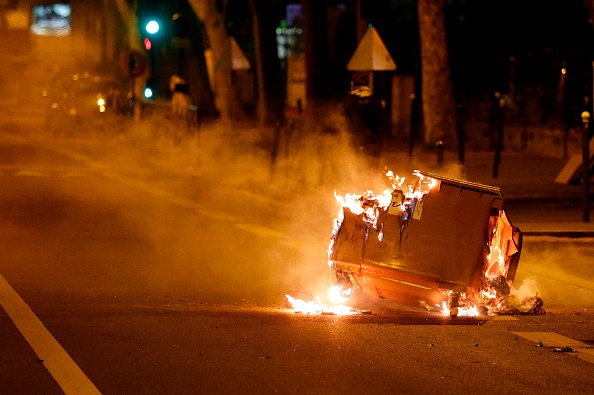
x,y
143,289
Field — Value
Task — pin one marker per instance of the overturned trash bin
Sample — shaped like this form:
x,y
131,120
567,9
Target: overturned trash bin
x,y
440,240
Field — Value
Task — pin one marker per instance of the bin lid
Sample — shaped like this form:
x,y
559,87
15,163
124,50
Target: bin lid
x,y
463,184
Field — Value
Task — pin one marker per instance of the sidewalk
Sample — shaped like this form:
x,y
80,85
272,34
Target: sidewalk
x,y
534,202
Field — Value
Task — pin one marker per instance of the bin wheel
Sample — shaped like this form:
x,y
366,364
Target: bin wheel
x,y
344,286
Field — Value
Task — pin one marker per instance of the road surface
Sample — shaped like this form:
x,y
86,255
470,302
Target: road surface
x,y
121,279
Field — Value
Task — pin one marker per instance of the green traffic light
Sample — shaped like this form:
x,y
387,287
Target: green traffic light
x,y
152,27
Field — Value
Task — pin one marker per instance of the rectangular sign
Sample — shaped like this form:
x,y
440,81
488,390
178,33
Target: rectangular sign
x,y
51,19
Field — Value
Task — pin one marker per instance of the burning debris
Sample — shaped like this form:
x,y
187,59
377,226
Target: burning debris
x,y
316,307
443,241
309,305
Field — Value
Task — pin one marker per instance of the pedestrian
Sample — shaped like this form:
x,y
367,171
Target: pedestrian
x,y
180,98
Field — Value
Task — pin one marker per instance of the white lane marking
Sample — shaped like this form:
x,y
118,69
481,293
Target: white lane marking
x,y
63,369
554,340
42,171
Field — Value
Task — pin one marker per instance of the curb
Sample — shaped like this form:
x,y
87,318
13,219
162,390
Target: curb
x,y
560,234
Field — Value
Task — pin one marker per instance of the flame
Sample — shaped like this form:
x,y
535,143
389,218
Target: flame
x,y
367,204
370,206
335,295
469,311
337,223
496,287
497,264
316,307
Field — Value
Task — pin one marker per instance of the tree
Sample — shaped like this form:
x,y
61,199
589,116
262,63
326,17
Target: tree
x,y
212,13
128,15
268,72
439,110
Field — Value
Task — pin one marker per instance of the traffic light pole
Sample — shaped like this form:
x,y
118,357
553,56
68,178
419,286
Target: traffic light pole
x,y
135,101
585,167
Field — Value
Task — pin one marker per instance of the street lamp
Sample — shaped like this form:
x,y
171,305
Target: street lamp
x,y
585,167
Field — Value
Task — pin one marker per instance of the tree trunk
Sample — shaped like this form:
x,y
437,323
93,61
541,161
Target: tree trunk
x,y
261,96
271,88
220,46
128,15
439,110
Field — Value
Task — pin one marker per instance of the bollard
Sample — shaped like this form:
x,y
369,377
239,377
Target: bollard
x,y
413,126
499,143
461,122
439,148
275,148
585,168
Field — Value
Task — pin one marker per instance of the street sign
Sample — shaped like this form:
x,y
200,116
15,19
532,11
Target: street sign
x,y
133,64
371,54
238,59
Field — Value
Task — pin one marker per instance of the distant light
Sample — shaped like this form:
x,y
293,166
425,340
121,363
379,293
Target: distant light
x,y
152,27
148,92
563,71
148,44
100,102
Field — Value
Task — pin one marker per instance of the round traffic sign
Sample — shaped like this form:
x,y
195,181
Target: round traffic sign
x,y
133,63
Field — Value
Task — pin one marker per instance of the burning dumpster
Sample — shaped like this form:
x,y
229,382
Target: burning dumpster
x,y
438,240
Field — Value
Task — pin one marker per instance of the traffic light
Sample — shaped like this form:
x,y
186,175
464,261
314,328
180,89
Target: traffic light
x,y
150,13
152,27
149,89
147,43
148,92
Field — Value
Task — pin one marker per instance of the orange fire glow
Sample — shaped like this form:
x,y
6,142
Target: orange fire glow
x,y
496,267
370,206
317,307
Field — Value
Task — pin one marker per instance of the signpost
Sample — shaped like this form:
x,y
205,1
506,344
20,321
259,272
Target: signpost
x,y
585,168
371,55
133,64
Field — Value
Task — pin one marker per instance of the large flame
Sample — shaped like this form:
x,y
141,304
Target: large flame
x,y
317,307
495,288
497,264
468,311
368,205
